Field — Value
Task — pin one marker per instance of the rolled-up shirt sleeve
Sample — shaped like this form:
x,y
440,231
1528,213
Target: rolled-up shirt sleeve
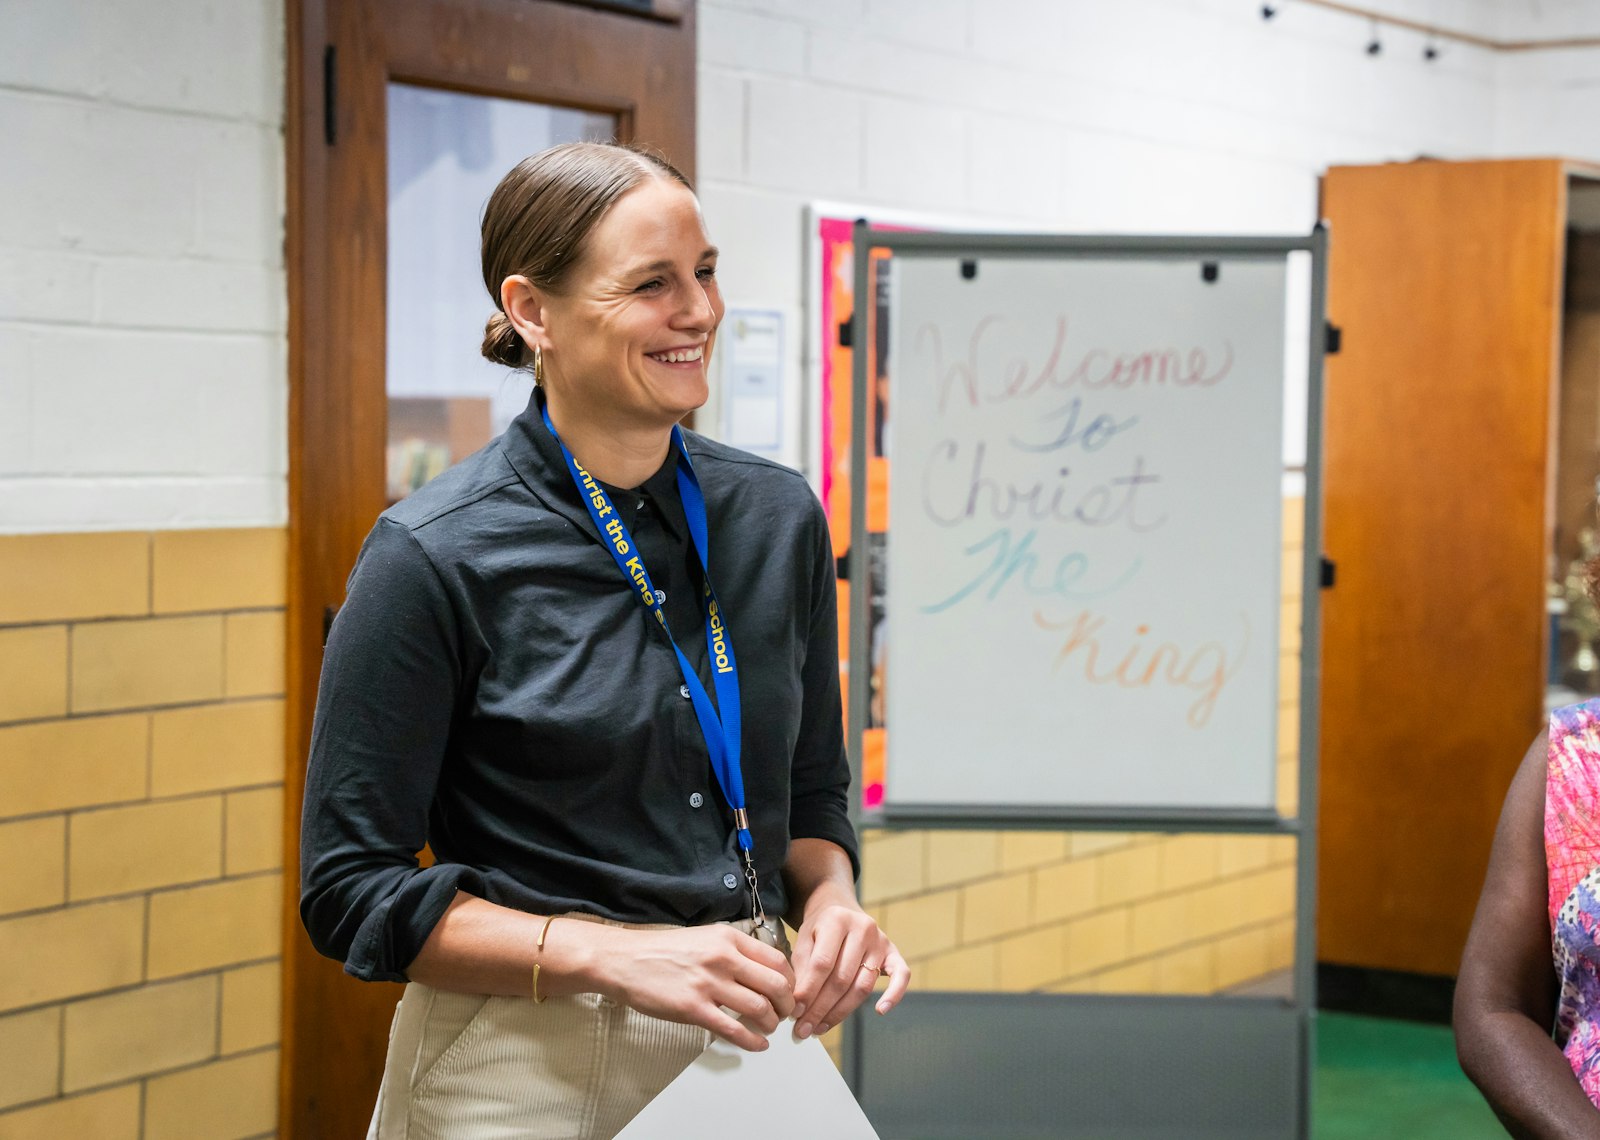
x,y
820,773
391,680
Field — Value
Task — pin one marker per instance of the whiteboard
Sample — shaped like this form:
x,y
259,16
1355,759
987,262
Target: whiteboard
x,y
1084,548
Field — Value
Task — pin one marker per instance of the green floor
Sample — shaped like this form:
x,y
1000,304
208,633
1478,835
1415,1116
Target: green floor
x,y
1393,1080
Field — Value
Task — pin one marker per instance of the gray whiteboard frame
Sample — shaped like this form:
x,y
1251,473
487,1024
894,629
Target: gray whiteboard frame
x,y
1303,824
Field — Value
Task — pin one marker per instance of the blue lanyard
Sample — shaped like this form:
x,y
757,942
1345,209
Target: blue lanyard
x,y
722,733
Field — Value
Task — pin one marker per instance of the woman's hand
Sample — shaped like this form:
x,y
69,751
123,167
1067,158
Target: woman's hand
x,y
684,975
695,975
838,955
840,950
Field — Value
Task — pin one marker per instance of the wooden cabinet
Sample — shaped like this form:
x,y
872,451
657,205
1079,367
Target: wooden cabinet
x,y
1459,466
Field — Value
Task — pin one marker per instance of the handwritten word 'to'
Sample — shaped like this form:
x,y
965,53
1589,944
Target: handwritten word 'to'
x,y
1092,436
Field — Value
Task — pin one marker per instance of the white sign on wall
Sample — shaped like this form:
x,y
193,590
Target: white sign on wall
x,y
750,346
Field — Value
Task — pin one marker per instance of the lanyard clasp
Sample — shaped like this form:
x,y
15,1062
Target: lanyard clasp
x,y
758,913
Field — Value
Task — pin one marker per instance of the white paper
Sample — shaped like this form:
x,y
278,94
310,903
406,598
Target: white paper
x,y
750,347
791,1090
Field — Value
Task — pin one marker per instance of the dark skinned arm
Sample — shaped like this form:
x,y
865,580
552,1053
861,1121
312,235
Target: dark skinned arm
x,y
1506,993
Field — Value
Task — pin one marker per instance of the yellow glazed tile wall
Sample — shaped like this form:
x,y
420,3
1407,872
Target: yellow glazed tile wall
x,y
141,803
1098,911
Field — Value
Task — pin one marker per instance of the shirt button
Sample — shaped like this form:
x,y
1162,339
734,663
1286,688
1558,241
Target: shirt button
x,y
731,881
683,691
696,800
661,597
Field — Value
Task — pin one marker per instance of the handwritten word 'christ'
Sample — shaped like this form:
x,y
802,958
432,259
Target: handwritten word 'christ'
x,y
956,487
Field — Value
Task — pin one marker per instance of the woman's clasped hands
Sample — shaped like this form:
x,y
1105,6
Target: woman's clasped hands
x,y
742,989
695,975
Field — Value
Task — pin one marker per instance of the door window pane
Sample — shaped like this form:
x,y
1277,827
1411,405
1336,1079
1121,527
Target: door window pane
x,y
447,151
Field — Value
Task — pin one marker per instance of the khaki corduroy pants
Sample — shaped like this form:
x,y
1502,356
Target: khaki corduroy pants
x,y
470,1067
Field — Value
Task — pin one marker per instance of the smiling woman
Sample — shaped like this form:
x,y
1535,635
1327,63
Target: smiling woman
x,y
624,338
534,673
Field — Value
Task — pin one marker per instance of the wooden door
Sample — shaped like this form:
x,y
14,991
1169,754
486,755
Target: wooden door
x,y
1446,278
633,60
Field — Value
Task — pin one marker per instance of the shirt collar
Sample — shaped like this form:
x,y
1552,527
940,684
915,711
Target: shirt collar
x,y
662,489
535,455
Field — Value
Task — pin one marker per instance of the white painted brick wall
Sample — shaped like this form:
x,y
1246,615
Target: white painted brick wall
x,y
16,448
804,137
216,58
175,404
720,155
142,310
916,152
1542,19
1549,104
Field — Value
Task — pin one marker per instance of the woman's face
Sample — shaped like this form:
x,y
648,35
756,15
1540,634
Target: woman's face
x,y
629,337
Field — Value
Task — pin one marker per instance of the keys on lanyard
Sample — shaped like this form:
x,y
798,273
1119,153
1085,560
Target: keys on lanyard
x,y
720,723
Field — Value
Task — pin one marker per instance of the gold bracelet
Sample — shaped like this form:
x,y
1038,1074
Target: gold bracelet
x,y
537,1000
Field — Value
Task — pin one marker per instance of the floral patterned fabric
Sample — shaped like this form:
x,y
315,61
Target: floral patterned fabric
x,y
1572,856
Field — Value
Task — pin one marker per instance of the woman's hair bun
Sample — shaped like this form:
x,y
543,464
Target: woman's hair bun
x,y
501,342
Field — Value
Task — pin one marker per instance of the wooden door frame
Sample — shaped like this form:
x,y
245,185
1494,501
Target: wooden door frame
x,y
595,55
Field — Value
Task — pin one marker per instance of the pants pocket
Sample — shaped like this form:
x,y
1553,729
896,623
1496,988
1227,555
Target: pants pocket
x,y
513,1071
451,1022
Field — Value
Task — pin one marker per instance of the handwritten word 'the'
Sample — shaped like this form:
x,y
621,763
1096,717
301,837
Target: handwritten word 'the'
x,y
981,379
956,487
1013,562
1204,670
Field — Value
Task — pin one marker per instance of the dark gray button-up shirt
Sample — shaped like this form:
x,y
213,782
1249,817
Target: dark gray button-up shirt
x,y
493,687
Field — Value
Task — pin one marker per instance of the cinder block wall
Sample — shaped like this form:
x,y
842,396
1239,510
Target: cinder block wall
x,y
143,382
1101,911
141,832
143,411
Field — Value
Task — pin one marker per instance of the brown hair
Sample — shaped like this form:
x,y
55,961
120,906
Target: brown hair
x,y
540,216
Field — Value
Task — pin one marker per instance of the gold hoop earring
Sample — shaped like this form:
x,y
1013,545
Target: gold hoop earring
x,y
538,365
